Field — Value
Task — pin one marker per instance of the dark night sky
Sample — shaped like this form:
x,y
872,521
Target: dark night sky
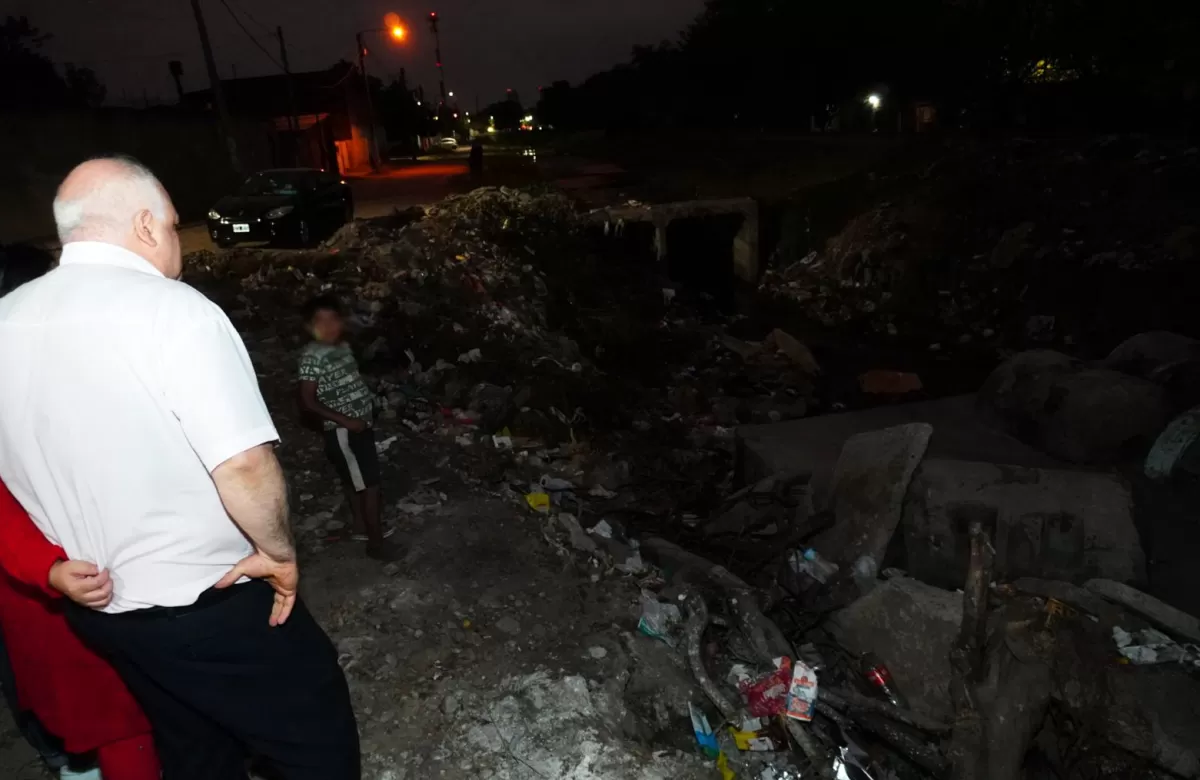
x,y
486,46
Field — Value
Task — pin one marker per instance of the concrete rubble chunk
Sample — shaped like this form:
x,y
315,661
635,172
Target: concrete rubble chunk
x,y
912,627
1076,413
867,493
1155,716
810,447
795,350
1051,523
1149,354
1163,615
1012,242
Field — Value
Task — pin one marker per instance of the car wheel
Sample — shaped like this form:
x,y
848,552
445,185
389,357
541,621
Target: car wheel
x,y
348,217
303,234
224,243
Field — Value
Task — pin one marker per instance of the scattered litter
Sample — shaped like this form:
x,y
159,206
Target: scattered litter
x,y
878,382
767,696
880,678
802,695
383,446
538,502
811,563
1148,647
705,737
554,484
659,620
602,529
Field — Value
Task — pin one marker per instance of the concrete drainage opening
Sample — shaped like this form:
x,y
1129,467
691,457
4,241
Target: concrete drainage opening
x,y
700,255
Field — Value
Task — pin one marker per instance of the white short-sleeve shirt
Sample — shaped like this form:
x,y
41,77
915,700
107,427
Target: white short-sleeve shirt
x,y
120,392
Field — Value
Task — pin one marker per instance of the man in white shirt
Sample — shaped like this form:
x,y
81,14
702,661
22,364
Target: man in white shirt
x,y
133,431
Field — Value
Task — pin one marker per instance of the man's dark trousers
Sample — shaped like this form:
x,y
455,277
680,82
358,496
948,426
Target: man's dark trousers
x,y
217,681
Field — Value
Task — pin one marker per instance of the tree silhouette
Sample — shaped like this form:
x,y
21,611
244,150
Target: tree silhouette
x,y
31,80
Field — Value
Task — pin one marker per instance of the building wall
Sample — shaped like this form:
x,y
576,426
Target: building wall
x,y
183,149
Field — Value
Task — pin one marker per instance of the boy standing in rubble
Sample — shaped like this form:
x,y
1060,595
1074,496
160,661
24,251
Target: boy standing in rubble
x,y
333,391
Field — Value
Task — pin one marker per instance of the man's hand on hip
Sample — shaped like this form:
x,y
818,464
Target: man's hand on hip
x,y
284,577
82,582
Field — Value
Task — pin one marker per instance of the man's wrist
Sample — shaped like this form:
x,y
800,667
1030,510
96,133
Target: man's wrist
x,y
281,556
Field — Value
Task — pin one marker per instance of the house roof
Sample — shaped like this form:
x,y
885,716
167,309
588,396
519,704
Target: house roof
x,y
316,92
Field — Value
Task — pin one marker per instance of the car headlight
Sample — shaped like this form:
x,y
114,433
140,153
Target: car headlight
x,y
212,214
282,211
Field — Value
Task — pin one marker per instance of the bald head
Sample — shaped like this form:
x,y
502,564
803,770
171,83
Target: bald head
x,y
116,200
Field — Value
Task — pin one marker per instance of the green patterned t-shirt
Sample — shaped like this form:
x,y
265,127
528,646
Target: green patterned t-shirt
x,y
339,385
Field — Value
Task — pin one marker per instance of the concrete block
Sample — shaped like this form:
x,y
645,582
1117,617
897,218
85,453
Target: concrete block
x,y
1076,413
1051,523
912,627
869,484
810,447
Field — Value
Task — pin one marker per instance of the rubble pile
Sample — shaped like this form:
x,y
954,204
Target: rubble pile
x,y
1019,243
496,322
903,614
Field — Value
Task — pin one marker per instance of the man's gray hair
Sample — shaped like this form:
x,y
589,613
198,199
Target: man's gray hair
x,y
106,209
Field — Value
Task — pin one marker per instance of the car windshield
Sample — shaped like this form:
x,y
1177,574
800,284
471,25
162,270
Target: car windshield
x,y
274,183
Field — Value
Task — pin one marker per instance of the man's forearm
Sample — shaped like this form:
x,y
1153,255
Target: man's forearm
x,y
254,492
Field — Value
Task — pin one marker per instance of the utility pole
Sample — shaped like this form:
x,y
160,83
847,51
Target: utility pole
x,y
214,79
176,68
437,49
293,122
362,68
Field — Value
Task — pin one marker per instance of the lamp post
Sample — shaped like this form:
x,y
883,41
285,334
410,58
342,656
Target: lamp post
x,y
398,33
874,101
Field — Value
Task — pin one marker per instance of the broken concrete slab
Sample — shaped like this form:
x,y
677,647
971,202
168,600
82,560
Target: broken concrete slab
x,y
1152,354
1155,714
811,446
1051,523
1076,413
1165,616
912,627
867,493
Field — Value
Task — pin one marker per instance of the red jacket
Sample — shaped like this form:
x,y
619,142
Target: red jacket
x,y
74,693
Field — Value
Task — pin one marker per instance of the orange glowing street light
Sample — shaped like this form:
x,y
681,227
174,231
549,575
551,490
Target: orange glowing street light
x,y
393,27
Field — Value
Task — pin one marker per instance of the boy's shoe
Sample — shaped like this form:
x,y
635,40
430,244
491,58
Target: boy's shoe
x,y
357,537
66,773
385,552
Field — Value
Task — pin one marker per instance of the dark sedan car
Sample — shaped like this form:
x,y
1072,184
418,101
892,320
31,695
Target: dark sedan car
x,y
286,206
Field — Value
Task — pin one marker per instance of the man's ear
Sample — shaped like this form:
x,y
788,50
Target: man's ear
x,y
143,227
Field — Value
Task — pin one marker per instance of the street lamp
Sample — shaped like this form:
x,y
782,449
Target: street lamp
x,y
398,33
874,101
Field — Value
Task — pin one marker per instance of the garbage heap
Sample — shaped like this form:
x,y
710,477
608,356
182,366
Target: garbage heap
x,y
496,320
820,617
1018,242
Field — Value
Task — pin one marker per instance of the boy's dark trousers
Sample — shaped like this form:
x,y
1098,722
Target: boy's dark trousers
x,y
218,682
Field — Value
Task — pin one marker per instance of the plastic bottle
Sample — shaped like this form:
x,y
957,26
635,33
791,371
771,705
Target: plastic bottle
x,y
880,678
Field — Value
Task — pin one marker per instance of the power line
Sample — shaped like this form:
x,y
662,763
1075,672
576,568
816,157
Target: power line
x,y
250,35
254,19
